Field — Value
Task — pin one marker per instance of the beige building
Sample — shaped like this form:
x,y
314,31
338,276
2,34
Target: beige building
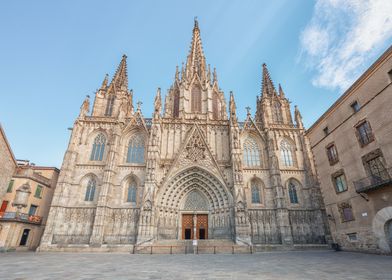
x,y
193,171
8,162
25,206
352,146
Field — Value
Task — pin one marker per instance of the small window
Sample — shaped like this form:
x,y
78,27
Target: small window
x,y
98,148
326,130
33,210
10,186
90,190
340,183
252,153
346,212
286,153
364,133
255,192
293,193
38,192
355,106
136,150
332,154
390,76
109,106
352,236
131,195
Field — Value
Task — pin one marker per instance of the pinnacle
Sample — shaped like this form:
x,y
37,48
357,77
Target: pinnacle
x,y
196,62
120,78
267,84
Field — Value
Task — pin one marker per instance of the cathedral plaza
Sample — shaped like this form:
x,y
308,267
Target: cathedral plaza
x,y
270,266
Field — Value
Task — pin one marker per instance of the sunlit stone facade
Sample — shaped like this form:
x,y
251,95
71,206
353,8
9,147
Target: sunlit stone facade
x,y
192,171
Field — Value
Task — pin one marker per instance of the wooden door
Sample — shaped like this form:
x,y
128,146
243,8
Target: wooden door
x,y
187,226
202,226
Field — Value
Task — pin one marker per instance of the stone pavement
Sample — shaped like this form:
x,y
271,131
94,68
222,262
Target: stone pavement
x,y
272,265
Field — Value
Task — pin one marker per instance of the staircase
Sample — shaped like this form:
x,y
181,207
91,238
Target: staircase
x,y
211,246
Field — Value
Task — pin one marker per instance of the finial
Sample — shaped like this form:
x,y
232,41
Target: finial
x,y
215,76
196,22
139,104
247,110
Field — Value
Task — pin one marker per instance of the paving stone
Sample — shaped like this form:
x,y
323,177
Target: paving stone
x,y
318,265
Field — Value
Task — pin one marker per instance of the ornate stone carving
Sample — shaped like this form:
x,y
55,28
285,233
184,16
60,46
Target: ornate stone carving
x,y
196,148
195,201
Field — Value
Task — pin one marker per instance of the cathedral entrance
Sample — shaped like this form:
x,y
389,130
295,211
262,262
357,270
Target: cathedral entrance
x,y
194,224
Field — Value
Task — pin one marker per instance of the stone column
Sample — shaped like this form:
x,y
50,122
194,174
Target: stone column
x,y
96,238
282,213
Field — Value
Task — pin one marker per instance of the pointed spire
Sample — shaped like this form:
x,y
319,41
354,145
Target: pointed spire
x,y
177,75
105,82
215,76
267,85
158,103
196,62
120,79
298,117
281,93
183,75
232,108
209,73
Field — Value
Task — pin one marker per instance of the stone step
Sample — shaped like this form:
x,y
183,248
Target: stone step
x,y
210,246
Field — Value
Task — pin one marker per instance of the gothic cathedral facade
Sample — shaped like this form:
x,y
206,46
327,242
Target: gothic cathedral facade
x,y
192,171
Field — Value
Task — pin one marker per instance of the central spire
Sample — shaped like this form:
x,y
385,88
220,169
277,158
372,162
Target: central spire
x,y
267,86
196,62
120,79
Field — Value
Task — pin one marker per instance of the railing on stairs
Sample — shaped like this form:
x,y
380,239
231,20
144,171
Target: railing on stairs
x,y
186,249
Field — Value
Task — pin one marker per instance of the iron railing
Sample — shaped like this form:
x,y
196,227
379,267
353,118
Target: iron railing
x,y
20,217
374,181
189,249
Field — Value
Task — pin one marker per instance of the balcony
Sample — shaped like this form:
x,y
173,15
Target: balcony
x,y
374,182
21,217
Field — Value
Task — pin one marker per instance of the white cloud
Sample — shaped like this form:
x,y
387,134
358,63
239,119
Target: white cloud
x,y
342,36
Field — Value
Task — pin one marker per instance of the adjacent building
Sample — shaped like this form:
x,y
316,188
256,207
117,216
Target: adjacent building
x,y
192,171
8,162
25,206
352,146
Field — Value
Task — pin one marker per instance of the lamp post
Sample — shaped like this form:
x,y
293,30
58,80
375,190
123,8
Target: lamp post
x,y
21,197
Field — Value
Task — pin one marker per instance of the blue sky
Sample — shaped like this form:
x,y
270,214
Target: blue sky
x,y
54,53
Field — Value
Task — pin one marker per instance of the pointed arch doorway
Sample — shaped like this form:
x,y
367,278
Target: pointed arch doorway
x,y
194,203
195,216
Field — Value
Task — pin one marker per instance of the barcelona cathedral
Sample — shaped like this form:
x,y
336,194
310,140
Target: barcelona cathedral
x,y
191,172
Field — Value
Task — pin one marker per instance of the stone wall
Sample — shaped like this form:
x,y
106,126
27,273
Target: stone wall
x,y
7,164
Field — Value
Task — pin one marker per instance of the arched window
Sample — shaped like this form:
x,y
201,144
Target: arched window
x,y
252,153
293,193
215,106
255,189
176,104
136,149
286,153
277,112
98,147
109,105
196,100
90,190
131,194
